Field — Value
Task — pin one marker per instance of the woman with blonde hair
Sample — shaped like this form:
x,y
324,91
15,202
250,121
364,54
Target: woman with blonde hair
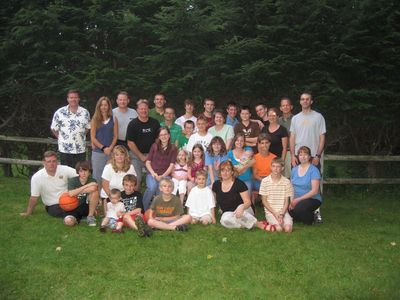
x,y
113,173
103,135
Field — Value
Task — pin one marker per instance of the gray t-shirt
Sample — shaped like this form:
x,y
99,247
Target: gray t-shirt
x,y
307,128
123,120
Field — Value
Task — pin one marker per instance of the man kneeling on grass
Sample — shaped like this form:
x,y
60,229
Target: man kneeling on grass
x,y
276,191
167,210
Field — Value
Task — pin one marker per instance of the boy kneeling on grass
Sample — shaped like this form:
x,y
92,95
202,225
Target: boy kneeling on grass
x,y
201,202
132,200
166,210
276,192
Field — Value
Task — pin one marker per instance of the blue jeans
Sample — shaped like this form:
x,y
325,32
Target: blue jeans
x,y
152,189
249,184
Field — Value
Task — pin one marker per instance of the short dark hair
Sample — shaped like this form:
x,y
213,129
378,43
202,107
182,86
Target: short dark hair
x,y
130,178
188,122
49,153
72,92
263,137
84,165
123,93
245,107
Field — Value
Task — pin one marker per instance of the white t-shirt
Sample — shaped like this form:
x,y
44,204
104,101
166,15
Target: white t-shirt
x,y
112,209
50,188
115,178
196,138
181,121
200,201
307,128
123,120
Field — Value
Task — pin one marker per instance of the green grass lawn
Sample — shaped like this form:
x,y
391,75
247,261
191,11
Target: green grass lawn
x,y
353,255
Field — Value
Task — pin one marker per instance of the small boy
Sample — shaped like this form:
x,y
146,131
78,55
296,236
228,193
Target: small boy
x,y
85,188
132,200
188,129
200,202
115,212
166,211
276,192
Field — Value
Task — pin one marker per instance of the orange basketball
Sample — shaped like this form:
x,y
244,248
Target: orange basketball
x,y
67,202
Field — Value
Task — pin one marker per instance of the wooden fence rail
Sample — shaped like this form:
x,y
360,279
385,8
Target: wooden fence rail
x,y
327,157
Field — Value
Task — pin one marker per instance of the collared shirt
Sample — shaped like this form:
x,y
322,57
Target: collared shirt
x,y
156,115
230,121
71,129
286,122
50,188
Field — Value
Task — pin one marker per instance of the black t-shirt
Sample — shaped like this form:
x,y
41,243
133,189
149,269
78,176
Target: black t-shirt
x,y
143,134
276,139
231,200
132,201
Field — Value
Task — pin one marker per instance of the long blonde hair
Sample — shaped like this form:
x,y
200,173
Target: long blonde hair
x,y
127,161
97,119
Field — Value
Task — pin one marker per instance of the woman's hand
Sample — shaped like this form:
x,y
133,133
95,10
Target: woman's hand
x,y
293,204
107,150
239,211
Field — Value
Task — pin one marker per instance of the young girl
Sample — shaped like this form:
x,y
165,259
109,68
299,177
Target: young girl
x,y
216,154
196,163
180,174
103,134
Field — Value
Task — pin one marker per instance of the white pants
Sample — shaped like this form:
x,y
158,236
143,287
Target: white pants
x,y
179,185
248,220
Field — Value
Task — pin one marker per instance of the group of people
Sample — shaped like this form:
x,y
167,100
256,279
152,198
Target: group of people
x,y
214,160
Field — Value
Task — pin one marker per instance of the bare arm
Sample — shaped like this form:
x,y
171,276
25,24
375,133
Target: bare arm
x,y
269,207
284,147
87,188
150,169
320,149
31,206
242,207
168,171
55,133
211,173
292,153
108,149
95,142
106,186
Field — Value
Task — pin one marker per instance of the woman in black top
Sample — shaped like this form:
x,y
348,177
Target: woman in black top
x,y
233,199
278,133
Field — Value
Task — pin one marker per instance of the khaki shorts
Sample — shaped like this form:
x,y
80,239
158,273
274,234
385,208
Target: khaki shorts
x,y
287,219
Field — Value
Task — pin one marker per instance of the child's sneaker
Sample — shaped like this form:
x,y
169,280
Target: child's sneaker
x,y
318,217
182,227
103,229
91,221
142,228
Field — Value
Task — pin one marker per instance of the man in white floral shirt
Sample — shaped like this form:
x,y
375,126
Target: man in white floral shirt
x,y
70,125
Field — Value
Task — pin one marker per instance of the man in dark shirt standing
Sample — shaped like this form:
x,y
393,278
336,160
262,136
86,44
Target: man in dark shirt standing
x,y
141,134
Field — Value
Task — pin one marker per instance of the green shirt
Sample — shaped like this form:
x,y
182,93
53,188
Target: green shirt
x,y
175,130
155,115
74,183
182,141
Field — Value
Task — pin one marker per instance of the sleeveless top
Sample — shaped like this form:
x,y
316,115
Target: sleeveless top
x,y
105,134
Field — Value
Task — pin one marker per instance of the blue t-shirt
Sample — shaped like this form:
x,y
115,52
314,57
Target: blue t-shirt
x,y
302,185
246,176
214,161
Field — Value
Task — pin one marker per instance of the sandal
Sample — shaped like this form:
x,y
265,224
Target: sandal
x,y
268,227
